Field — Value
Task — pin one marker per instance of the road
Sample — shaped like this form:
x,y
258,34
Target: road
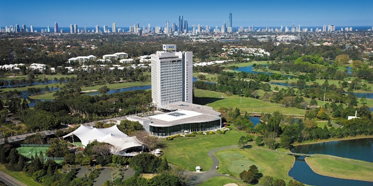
x,y
8,180
51,132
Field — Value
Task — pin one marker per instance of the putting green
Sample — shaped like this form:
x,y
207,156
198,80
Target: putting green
x,y
238,162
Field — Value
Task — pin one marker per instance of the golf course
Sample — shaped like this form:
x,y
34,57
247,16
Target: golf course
x,y
338,167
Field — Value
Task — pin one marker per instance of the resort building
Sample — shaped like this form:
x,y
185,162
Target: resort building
x,y
172,76
121,143
180,118
172,93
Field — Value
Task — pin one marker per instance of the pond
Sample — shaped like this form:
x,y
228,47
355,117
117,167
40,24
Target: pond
x,y
249,69
367,95
255,120
361,149
34,83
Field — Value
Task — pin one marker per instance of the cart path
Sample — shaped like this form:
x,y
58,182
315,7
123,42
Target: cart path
x,y
198,178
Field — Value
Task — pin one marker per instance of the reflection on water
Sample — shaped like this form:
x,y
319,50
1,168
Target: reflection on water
x,y
361,149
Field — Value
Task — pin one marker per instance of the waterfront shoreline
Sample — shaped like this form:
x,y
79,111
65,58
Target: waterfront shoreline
x,y
320,172
333,139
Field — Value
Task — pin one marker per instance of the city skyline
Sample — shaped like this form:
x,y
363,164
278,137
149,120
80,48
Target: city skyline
x,y
212,13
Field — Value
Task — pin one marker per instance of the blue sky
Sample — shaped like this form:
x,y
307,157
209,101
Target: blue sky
x,y
205,12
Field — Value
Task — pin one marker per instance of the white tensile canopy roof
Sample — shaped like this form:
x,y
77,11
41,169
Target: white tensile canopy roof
x,y
111,135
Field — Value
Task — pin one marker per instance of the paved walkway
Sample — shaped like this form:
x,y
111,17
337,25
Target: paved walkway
x,y
8,180
197,178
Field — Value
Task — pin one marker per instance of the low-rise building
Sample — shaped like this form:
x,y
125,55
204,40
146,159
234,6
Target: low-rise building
x,y
180,118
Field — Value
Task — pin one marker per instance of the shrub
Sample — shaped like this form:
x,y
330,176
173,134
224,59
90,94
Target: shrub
x,y
190,135
211,132
200,133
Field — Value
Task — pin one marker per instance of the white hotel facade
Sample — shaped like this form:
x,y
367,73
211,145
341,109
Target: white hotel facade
x,y
172,93
172,76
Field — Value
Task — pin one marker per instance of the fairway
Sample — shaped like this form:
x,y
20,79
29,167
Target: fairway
x,y
341,167
218,99
188,153
269,162
220,181
32,151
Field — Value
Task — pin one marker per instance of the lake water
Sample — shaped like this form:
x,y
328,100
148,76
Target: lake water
x,y
361,149
249,69
34,83
367,95
255,120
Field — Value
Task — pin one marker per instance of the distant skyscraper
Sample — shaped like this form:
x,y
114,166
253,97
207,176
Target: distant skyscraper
x,y
166,29
137,26
185,26
324,28
181,23
31,29
48,29
97,29
23,28
55,27
71,29
76,28
114,28
230,19
224,28
174,27
193,29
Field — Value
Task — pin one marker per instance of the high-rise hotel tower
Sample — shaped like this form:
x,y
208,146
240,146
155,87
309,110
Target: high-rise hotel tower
x,y
172,76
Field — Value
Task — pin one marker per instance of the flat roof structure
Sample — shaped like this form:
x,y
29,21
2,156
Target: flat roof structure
x,y
180,118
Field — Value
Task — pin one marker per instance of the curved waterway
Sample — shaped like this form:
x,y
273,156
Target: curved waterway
x,y
360,149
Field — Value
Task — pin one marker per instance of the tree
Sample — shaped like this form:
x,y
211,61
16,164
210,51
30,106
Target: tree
x,y
295,183
102,150
165,180
103,90
267,181
145,163
269,140
130,127
259,141
164,165
57,148
251,176
279,182
357,63
242,141
21,163
59,133
342,59
151,142
69,158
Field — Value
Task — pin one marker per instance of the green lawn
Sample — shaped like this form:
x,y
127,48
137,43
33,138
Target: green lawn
x,y
269,162
218,99
209,77
245,64
341,167
95,88
40,76
220,181
45,96
117,85
21,176
190,152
